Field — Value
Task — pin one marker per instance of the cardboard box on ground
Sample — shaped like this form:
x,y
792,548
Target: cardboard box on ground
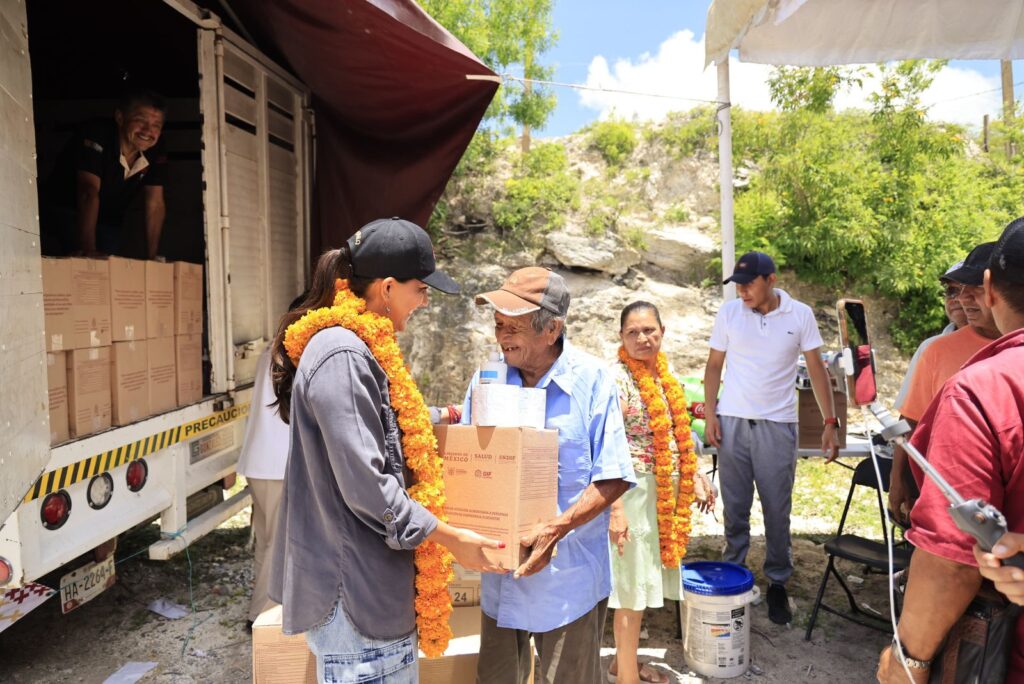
x,y
499,482
281,659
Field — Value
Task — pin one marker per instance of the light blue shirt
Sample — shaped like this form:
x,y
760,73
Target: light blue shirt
x,y
583,405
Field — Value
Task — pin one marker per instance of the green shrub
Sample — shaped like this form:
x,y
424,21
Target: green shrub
x,y
539,195
614,139
677,213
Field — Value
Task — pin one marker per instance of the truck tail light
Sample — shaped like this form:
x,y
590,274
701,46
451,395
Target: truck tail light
x,y
55,510
136,476
6,571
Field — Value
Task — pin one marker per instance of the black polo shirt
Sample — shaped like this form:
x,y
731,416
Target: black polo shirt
x,y
95,148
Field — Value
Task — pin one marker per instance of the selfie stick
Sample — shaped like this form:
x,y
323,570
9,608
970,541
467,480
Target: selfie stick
x,y
976,517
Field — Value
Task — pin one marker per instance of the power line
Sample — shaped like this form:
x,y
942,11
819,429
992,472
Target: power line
x,y
613,91
964,97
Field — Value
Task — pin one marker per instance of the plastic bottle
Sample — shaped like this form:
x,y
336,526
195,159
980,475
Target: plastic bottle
x,y
494,371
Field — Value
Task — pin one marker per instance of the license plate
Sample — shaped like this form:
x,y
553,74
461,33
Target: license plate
x,y
86,583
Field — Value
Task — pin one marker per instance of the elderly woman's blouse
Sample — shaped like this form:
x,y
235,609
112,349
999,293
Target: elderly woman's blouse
x,y
637,422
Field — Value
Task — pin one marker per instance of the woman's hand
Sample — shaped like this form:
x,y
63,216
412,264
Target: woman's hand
x,y
618,527
468,547
704,492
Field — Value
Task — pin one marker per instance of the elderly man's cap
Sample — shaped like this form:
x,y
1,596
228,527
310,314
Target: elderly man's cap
x,y
528,290
395,248
750,266
945,277
972,270
1007,261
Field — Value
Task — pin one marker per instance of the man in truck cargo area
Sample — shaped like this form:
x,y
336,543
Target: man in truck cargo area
x,y
558,599
99,174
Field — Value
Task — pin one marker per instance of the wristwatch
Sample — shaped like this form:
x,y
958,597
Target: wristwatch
x,y
912,663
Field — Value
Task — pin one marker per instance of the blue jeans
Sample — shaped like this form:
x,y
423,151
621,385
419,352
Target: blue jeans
x,y
344,656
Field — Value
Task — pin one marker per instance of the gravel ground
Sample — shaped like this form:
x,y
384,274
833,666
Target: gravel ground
x,y
212,644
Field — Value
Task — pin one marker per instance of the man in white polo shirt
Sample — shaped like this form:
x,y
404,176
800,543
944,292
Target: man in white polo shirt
x,y
754,425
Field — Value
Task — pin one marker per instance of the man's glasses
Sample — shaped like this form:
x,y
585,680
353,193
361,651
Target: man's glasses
x,y
954,291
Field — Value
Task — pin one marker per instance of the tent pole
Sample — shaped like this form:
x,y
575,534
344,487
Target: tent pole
x,y
725,178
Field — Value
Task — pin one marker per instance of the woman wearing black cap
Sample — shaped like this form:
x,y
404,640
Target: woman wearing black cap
x,y
363,485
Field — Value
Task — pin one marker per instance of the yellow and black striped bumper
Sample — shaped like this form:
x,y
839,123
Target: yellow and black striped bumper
x,y
54,480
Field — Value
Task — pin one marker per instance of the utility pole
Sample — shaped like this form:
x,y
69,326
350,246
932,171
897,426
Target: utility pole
x,y
1006,69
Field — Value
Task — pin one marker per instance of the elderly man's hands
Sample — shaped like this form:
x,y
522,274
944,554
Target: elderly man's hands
x,y
540,545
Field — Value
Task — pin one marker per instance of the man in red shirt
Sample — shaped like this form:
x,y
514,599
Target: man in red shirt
x,y
973,433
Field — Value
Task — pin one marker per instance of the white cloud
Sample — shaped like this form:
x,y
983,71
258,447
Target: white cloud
x,y
677,70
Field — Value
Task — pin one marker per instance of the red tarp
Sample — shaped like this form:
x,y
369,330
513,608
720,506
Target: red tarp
x,y
394,109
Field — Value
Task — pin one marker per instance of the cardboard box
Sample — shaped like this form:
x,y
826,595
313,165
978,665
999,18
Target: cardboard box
x,y
57,389
127,299
90,303
159,299
59,322
276,657
281,659
465,587
88,391
499,482
129,381
810,423
188,298
163,378
188,352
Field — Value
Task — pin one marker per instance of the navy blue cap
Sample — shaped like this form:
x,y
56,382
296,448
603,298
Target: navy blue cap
x,y
395,248
972,271
1007,261
711,578
750,266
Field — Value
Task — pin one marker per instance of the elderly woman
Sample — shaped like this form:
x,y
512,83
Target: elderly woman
x,y
650,524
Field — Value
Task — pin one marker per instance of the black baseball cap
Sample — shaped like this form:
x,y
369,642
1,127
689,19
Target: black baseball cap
x,y
750,266
972,270
396,248
1007,263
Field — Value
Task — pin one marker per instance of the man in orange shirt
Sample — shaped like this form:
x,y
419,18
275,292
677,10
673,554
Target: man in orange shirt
x,y
939,361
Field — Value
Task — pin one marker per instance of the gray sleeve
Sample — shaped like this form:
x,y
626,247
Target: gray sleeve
x,y
346,401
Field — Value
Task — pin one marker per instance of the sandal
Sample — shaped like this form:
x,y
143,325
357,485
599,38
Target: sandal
x,y
648,674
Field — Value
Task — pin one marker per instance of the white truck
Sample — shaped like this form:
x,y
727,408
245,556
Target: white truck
x,y
238,201
398,99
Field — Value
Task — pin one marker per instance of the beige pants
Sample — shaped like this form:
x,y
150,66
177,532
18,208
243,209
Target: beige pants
x,y
266,498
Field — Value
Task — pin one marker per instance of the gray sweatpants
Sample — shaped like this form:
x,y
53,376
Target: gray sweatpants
x,y
762,453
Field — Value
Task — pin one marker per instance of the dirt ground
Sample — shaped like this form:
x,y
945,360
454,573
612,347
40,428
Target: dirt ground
x,y
212,645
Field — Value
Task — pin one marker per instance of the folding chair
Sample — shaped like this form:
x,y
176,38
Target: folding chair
x,y
860,550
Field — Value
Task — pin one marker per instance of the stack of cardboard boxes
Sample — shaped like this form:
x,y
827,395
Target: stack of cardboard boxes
x,y
112,341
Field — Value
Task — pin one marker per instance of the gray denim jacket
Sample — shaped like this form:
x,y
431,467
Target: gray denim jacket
x,y
346,521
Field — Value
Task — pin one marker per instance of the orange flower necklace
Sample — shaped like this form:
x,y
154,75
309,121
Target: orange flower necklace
x,y
673,511
433,561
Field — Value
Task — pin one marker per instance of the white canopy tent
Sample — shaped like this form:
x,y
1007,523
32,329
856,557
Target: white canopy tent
x,y
830,32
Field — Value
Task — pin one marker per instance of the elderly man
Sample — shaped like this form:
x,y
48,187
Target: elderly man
x,y
972,433
558,599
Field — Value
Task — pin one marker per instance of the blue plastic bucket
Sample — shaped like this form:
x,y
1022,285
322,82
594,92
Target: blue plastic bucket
x,y
716,619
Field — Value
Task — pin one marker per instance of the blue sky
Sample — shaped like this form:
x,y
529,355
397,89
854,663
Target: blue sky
x,y
656,46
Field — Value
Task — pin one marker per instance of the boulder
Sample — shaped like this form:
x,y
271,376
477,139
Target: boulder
x,y
607,253
680,249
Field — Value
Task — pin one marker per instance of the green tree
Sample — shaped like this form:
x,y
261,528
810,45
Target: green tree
x,y
507,35
811,89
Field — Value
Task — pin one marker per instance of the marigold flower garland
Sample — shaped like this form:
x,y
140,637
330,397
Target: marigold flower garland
x,y
433,561
673,511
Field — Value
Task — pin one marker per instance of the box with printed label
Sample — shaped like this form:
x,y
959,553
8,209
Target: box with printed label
x,y
127,299
188,351
159,299
90,303
129,381
57,389
58,321
188,298
499,482
163,378
88,391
